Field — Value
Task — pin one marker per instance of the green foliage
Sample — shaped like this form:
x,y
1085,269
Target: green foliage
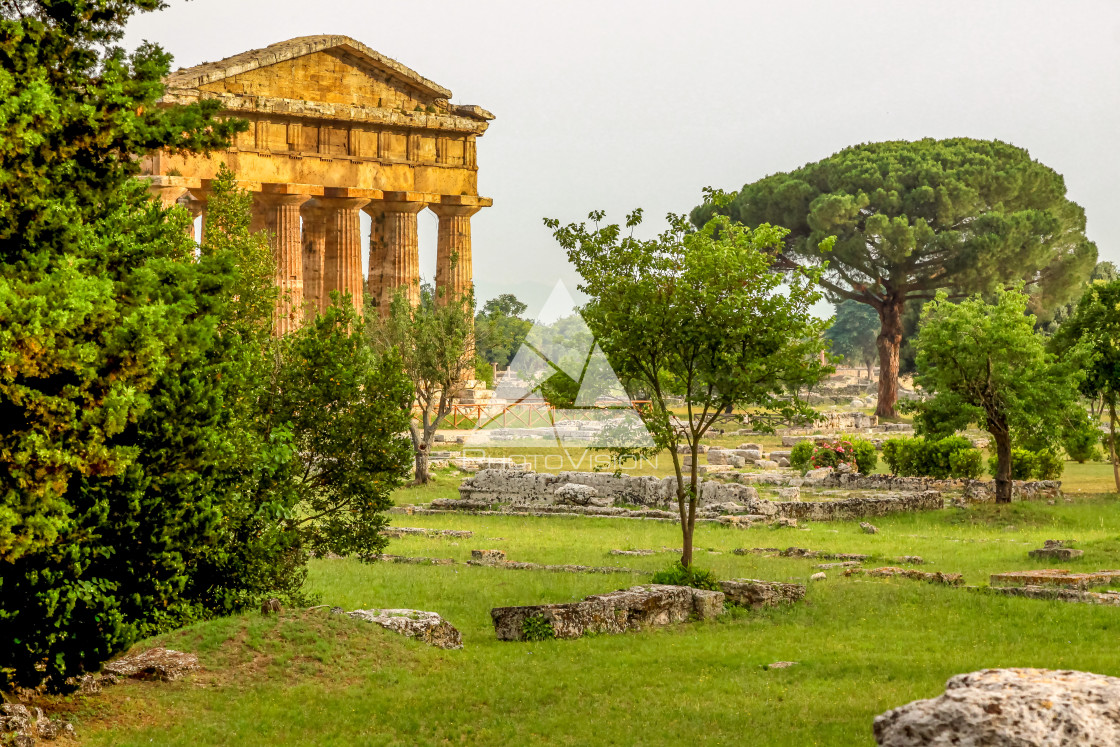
x,y
911,218
699,315
500,329
1050,319
537,628
985,363
432,341
1083,444
853,332
800,455
866,455
483,371
82,342
1049,465
924,457
1024,464
860,454
678,574
966,464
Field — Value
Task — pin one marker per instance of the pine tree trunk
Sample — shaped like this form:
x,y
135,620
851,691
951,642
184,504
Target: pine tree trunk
x,y
1112,440
1003,471
889,342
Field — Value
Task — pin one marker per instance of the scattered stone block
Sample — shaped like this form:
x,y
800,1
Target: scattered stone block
x,y
414,560
789,494
428,627
817,475
785,523
616,612
840,564
766,464
161,664
631,552
910,559
398,532
783,462
575,494
1055,577
25,725
749,592
781,665
1056,550
1107,598
821,576
1009,708
868,528
935,577
488,555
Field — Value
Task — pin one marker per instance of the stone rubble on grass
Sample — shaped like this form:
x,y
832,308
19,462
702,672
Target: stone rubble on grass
x,y
1106,598
615,612
1009,708
414,560
784,523
789,494
24,725
631,552
1055,577
821,576
581,495
781,665
936,577
868,528
1056,550
418,531
491,555
841,564
161,664
750,592
911,559
428,627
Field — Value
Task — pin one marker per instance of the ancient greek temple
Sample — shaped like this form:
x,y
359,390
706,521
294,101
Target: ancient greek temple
x,y
336,128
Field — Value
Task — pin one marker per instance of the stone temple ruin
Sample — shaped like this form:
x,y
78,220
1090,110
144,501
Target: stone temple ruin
x,y
336,129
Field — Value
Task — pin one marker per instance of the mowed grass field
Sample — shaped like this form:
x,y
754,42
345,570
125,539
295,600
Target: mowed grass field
x,y
862,645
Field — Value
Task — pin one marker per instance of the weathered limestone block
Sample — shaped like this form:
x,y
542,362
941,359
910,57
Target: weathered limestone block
x,y
868,528
817,475
491,555
714,494
718,456
749,592
1055,577
1009,708
1107,598
424,532
162,664
24,725
789,494
581,495
616,612
937,577
428,627
1056,550
857,508
766,464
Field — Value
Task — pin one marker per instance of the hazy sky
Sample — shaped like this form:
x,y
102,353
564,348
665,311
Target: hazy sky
x,y
615,105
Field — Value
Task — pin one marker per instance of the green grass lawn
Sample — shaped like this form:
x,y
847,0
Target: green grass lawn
x,y
863,645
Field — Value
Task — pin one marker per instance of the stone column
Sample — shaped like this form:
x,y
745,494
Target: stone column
x,y
342,264
394,250
314,251
168,194
279,215
454,273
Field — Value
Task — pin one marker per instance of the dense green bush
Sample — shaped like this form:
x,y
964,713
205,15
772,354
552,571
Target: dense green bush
x,y
679,574
1032,465
866,455
1050,466
1083,444
966,464
921,457
800,455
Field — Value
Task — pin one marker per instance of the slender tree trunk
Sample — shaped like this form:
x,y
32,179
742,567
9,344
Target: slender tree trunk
x,y
423,473
1112,439
1002,436
688,506
889,342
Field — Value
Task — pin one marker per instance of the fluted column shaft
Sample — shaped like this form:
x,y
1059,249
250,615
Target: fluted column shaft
x,y
279,214
314,251
342,264
454,264
394,252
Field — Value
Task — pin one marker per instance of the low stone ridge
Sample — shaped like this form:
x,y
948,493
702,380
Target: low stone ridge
x,y
491,555
840,564
856,508
428,627
801,552
1055,577
414,560
399,532
25,725
513,565
631,552
161,664
911,559
1009,708
751,592
616,612
1107,598
973,490
936,577
1056,550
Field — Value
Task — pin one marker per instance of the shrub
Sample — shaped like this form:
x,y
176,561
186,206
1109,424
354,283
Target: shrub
x,y
801,454
1049,465
866,456
831,454
1083,445
537,628
1024,464
966,464
922,457
680,575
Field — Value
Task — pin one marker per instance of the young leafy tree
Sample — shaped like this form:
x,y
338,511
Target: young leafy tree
x,y
984,363
853,333
500,329
434,343
1095,325
914,218
81,342
699,314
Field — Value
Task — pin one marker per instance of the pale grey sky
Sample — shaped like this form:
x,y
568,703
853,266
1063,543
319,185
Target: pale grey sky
x,y
614,105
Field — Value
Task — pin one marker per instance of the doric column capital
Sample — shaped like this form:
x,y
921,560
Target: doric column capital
x,y
454,211
340,203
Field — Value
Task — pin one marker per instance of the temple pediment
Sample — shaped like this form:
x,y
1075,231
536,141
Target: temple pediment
x,y
326,74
